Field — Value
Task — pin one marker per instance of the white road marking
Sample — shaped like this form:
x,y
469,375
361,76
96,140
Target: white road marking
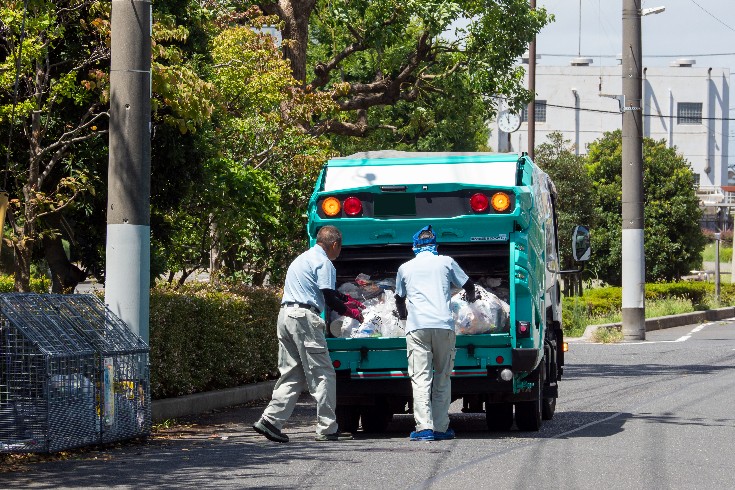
x,y
680,339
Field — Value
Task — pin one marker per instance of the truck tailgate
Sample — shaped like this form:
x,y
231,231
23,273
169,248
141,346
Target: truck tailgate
x,y
377,357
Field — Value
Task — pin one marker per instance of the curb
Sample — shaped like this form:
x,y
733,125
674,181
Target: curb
x,y
181,406
670,321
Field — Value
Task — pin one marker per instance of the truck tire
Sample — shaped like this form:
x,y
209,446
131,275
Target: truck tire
x,y
529,414
348,417
375,419
499,416
548,408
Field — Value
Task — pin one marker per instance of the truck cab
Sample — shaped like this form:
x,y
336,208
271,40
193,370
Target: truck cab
x,y
494,213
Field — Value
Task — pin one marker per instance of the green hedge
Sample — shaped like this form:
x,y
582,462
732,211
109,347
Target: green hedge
x,y
601,301
205,340
38,284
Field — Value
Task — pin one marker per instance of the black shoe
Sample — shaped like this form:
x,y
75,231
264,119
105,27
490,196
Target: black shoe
x,y
270,431
336,436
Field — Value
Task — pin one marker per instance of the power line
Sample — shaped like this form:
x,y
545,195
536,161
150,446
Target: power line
x,y
697,55
603,111
713,16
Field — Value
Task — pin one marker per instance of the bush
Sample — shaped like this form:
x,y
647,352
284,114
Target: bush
x,y
205,340
38,284
603,305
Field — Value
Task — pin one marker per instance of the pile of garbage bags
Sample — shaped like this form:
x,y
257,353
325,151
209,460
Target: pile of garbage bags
x,y
488,314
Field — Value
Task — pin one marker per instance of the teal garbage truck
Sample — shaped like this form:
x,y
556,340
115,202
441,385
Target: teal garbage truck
x,y
494,213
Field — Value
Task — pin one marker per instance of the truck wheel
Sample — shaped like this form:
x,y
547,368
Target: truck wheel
x,y
529,414
499,416
548,408
348,417
375,419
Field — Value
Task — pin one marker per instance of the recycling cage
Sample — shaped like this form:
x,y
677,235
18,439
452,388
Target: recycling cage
x,y
71,374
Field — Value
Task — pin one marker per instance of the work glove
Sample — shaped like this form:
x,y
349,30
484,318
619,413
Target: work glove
x,y
351,302
354,313
471,296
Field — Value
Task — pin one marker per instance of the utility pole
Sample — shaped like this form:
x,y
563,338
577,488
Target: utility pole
x,y
532,88
634,267
127,263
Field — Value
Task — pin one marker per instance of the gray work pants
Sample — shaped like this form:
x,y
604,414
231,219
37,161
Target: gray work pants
x,y
304,362
430,362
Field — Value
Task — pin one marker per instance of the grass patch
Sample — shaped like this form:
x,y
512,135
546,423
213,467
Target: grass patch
x,y
708,255
654,309
607,335
581,312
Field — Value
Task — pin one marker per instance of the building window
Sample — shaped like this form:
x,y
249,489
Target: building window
x,y
696,179
539,111
689,113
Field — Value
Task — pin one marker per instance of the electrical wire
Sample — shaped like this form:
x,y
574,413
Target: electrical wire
x,y
604,111
713,16
699,55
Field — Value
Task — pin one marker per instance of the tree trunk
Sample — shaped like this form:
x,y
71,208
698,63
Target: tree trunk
x,y
22,266
295,15
215,259
64,275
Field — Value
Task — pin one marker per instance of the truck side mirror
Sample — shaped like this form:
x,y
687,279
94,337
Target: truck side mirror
x,y
581,248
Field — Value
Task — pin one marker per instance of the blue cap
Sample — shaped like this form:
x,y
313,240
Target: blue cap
x,y
422,242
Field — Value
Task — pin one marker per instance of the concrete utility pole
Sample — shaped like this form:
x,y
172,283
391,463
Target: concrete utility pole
x,y
127,264
634,267
532,88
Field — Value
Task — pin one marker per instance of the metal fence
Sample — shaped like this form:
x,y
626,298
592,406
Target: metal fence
x,y
71,374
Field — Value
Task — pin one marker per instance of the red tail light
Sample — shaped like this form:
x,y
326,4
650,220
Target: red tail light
x,y
479,202
336,364
352,206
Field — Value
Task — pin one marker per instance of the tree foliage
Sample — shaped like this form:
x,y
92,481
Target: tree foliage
x,y
240,126
574,189
372,54
673,240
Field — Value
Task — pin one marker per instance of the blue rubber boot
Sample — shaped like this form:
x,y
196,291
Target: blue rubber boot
x,y
422,435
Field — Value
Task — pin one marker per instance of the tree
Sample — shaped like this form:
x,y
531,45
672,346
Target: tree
x,y
673,240
575,193
49,48
53,101
433,123
374,54
245,218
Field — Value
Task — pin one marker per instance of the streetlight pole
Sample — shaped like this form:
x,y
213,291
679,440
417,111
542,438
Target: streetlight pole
x,y
634,268
127,259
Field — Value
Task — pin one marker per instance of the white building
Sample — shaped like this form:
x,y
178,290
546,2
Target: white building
x,y
685,105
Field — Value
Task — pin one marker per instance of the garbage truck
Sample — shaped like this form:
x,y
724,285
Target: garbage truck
x,y
495,214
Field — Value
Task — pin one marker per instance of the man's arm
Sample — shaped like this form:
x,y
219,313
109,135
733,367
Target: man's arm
x,y
341,304
401,307
469,288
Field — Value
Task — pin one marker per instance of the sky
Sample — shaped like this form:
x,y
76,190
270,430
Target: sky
x,y
699,29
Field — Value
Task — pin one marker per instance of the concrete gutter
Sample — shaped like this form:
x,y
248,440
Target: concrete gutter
x,y
669,321
171,408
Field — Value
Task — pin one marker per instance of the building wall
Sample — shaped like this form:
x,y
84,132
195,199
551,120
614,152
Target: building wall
x,y
575,108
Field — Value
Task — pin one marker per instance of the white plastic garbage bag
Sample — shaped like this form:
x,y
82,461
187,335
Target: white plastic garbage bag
x,y
488,314
379,320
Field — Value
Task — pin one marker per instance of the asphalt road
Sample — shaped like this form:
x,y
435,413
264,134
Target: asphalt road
x,y
658,414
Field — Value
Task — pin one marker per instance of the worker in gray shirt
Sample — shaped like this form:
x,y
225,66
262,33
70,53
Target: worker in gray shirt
x,y
423,295
303,359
